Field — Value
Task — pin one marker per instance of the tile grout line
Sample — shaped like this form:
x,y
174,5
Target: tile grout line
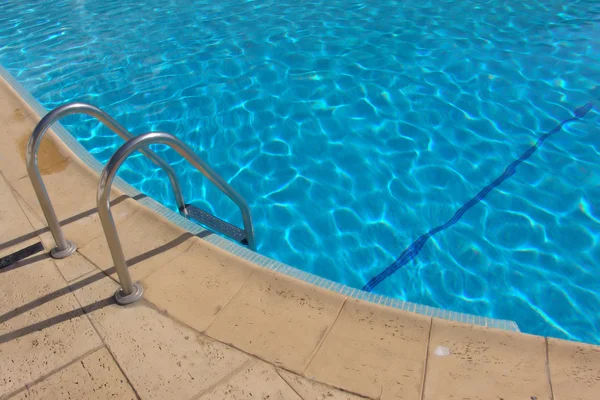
x,y
43,221
325,385
97,268
107,346
14,194
96,328
226,378
423,381
84,313
117,223
135,392
166,314
191,244
288,384
102,233
52,372
320,344
21,201
548,367
228,303
104,344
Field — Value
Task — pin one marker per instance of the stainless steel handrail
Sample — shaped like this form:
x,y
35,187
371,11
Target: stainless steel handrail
x,y
64,248
130,292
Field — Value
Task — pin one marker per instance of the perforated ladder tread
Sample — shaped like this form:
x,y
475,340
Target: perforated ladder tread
x,y
215,224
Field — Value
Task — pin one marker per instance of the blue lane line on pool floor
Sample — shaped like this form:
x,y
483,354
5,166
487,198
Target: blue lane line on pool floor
x,y
413,250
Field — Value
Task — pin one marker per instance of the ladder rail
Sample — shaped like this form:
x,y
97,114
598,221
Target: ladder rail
x,y
64,248
129,291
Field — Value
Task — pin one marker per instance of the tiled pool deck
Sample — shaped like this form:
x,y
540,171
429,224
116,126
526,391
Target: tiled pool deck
x,y
219,322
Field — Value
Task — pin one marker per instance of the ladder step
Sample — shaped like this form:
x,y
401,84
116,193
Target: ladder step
x,y
215,224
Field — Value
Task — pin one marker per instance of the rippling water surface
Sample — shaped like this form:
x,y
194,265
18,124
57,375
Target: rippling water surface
x,y
352,128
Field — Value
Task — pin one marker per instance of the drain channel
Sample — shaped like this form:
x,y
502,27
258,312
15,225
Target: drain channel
x,y
21,254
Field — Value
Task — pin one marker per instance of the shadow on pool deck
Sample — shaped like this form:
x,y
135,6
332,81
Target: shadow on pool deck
x,y
67,221
75,286
38,326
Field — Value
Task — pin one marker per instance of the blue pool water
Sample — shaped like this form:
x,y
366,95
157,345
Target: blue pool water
x,y
354,127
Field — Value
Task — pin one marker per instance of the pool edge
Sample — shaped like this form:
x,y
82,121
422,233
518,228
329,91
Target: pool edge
x,y
242,252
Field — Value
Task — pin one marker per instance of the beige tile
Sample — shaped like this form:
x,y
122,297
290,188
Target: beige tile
x,y
16,232
94,290
256,381
74,267
73,195
280,319
574,370
468,361
148,241
312,390
38,229
16,125
195,286
162,359
13,222
71,267
41,325
95,376
374,351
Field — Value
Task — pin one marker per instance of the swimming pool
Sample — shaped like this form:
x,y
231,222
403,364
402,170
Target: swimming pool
x,y
353,128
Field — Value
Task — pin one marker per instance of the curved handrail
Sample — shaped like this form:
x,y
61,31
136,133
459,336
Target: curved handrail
x,y
129,291
65,248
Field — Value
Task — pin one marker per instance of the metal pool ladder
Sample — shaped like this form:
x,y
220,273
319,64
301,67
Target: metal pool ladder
x,y
129,291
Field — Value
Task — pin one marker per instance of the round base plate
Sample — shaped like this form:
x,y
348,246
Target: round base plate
x,y
136,295
71,248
